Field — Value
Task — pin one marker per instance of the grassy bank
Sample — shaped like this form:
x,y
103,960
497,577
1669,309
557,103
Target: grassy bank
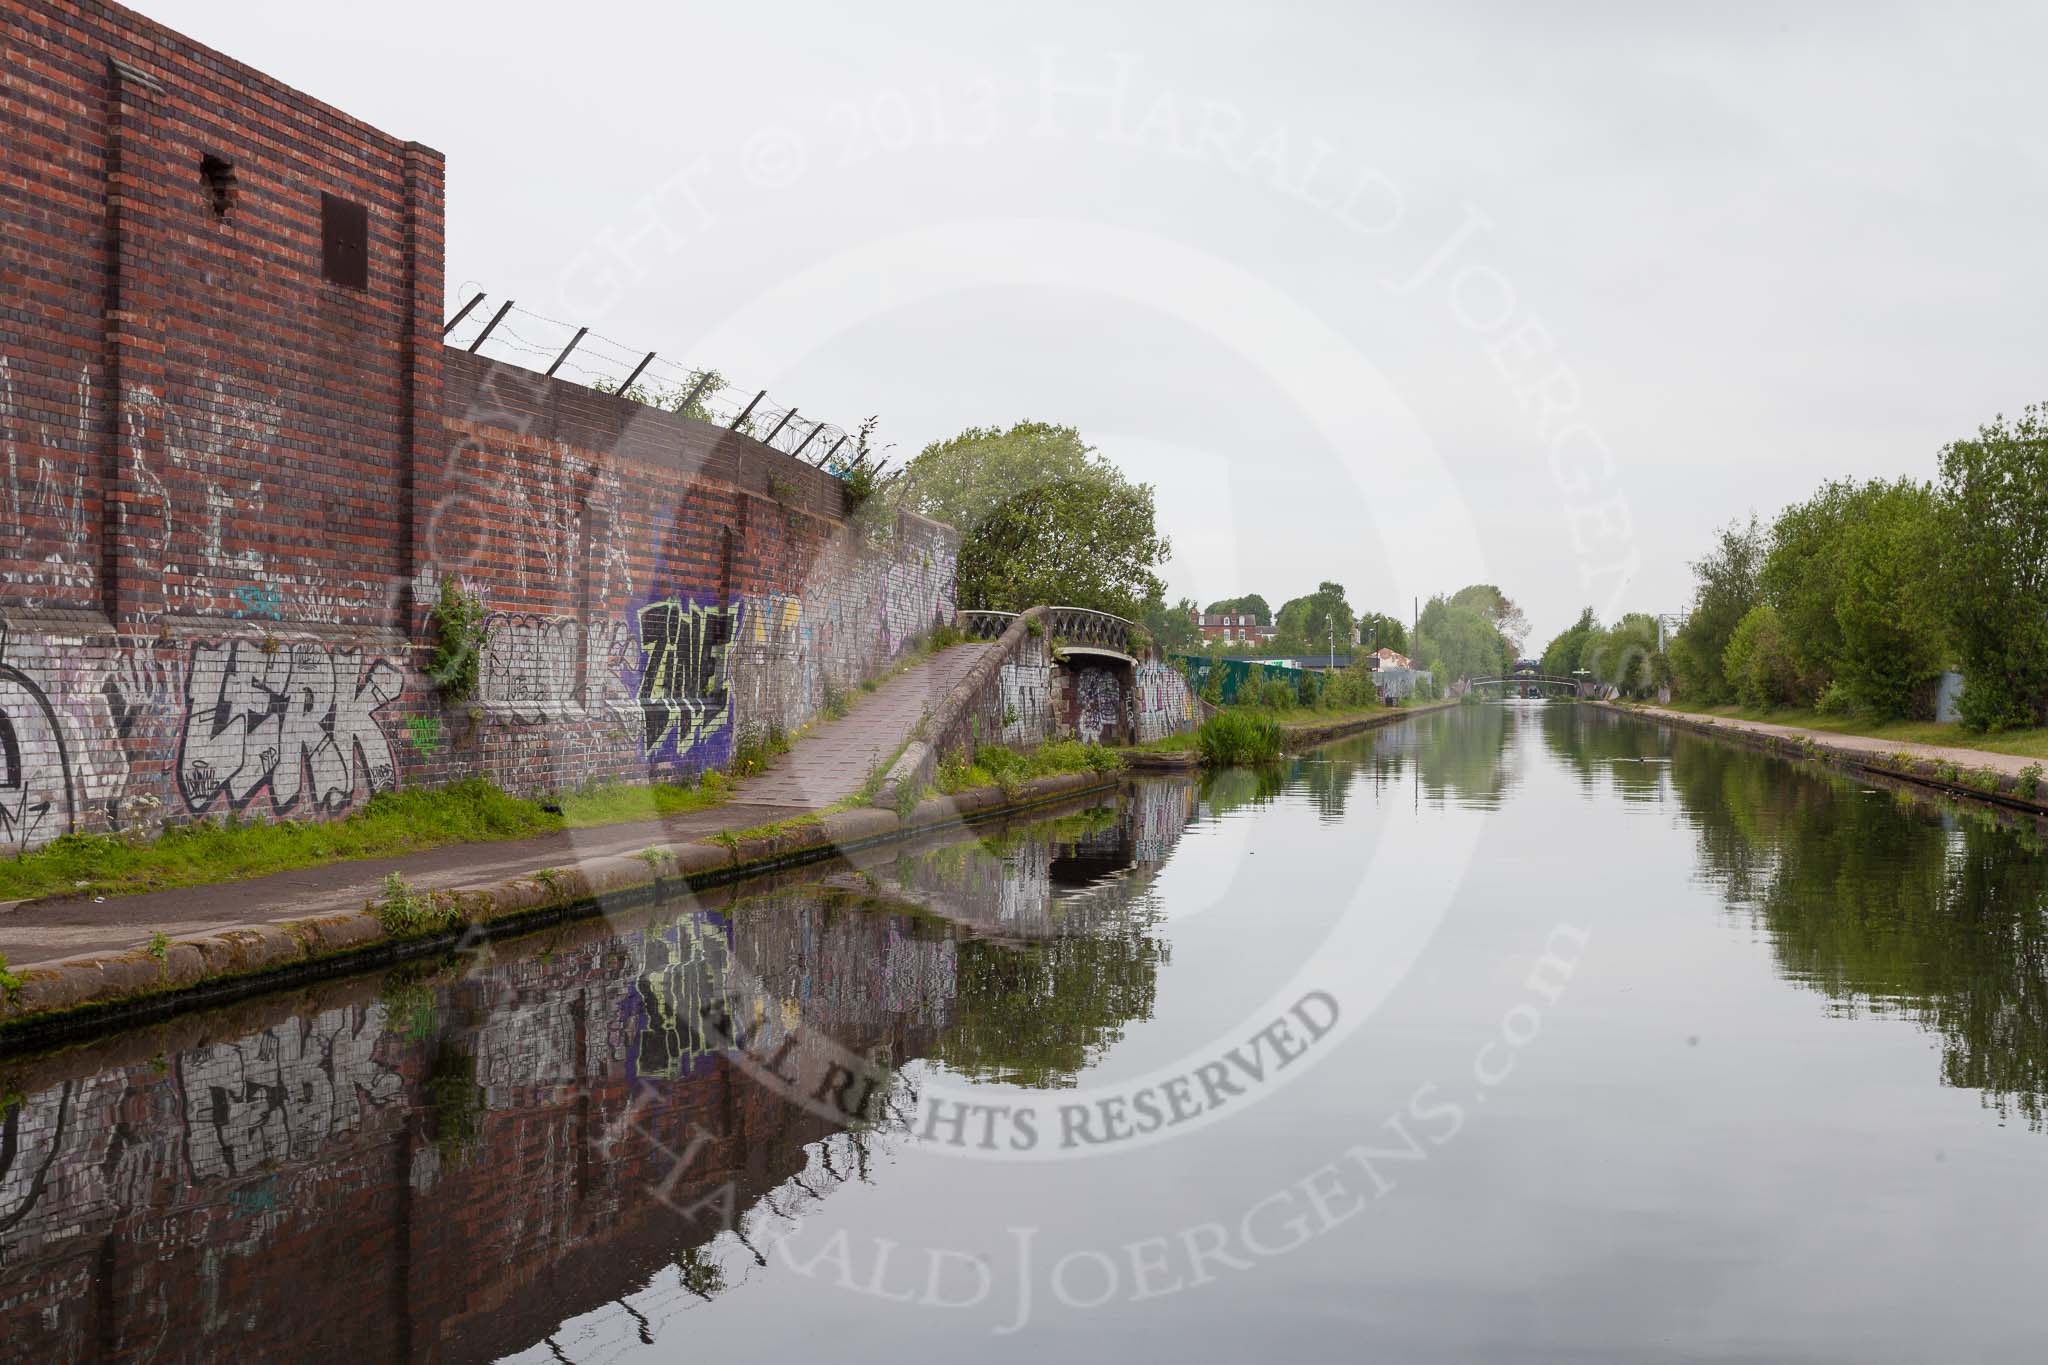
x,y
1234,737
389,823
2022,743
995,765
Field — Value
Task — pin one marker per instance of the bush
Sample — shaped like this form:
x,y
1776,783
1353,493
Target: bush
x,y
1272,695
457,619
1834,701
1759,663
1236,737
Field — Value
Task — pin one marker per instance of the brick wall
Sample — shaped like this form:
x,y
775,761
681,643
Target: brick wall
x,y
230,486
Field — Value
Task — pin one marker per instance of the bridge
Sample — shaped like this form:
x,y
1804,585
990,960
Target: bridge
x,y
1074,630
1520,684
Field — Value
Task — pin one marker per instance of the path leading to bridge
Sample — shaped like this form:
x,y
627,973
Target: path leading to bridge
x,y
835,757
824,766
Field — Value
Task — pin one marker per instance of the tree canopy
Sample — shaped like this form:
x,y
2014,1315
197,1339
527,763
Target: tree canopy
x,y
1993,545
1566,651
1305,623
1499,609
1461,641
1043,519
1250,604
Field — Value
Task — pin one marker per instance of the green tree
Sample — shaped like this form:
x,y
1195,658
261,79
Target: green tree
x,y
1460,642
1250,603
1801,576
1495,605
1625,656
1562,656
1305,623
1759,662
1993,545
1043,520
1173,628
1379,631
1725,588
1888,612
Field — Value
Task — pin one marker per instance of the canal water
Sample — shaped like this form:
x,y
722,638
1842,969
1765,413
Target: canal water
x,y
1523,1032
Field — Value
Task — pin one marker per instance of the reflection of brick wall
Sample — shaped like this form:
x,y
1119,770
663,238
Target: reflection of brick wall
x,y
235,483
264,1194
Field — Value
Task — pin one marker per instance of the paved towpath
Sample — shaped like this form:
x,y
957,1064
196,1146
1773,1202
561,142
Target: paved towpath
x,y
836,756
2012,764
825,765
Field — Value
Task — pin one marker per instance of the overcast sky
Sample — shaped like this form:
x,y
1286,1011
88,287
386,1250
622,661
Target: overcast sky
x,y
1408,297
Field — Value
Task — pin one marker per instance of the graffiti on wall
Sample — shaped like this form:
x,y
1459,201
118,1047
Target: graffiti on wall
x,y
299,719
1165,706
1026,690
685,685
44,507
1099,705
37,798
537,668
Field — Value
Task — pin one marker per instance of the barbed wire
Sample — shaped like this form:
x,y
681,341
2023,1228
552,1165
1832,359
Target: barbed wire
x,y
506,331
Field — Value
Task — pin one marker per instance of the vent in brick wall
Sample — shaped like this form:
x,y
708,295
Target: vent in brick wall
x,y
218,175
344,242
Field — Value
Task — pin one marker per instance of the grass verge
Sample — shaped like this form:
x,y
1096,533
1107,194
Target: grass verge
x,y
995,765
472,811
2022,743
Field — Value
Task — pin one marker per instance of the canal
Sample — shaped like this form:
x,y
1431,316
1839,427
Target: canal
x,y
1520,1032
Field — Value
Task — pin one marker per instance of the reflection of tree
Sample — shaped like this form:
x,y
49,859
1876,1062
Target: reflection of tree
x,y
1076,958
1599,744
1037,1014
1229,789
1460,755
1876,902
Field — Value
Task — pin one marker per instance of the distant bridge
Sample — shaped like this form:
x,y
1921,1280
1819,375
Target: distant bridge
x,y
1520,684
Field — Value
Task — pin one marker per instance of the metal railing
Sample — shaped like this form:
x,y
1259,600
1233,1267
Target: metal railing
x,y
1080,626
506,332
985,625
1064,626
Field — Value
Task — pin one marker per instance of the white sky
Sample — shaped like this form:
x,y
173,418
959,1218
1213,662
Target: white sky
x,y
1760,245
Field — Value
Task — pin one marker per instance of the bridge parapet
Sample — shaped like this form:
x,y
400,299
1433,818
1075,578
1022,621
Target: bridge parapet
x,y
1080,626
985,625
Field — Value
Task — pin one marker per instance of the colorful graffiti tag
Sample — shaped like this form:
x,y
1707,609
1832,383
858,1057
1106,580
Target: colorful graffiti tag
x,y
685,684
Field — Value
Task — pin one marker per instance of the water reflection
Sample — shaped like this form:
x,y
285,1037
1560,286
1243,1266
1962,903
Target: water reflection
x,y
474,1152
1882,901
556,1150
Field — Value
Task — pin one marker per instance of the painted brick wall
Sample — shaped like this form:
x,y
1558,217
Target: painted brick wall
x,y
229,487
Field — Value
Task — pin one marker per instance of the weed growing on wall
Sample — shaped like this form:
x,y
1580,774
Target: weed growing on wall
x,y
457,621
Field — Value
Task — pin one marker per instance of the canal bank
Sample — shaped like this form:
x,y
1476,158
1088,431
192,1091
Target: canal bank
x,y
1297,733
2001,779
159,953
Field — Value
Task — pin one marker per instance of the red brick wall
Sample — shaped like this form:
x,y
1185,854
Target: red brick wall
x,y
231,487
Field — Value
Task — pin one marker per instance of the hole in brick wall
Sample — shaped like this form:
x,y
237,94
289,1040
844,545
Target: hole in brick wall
x,y
344,242
218,174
